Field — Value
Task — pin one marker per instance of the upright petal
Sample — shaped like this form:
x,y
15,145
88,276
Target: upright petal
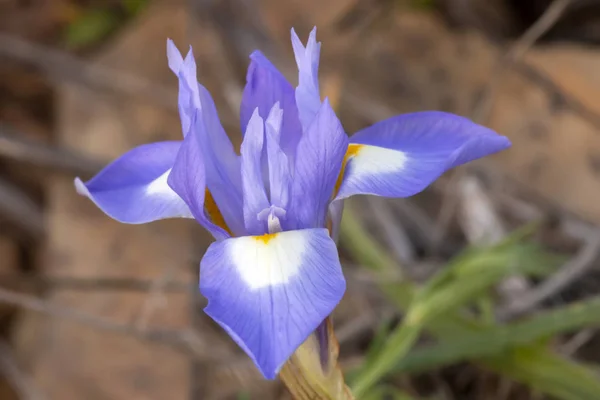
x,y
133,189
188,180
270,292
401,156
265,86
174,57
255,196
318,162
221,163
307,92
279,168
188,98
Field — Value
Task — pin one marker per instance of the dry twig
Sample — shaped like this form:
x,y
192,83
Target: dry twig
x,y
20,381
21,211
515,54
395,234
63,66
14,147
568,273
184,340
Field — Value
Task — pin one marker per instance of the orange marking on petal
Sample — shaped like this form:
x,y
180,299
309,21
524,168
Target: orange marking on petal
x,y
213,212
353,150
266,238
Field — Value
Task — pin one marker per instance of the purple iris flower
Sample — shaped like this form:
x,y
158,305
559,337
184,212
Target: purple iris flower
x,y
273,273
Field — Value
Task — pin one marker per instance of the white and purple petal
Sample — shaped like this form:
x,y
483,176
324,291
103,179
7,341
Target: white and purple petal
x,y
307,92
188,180
279,167
265,86
253,188
133,189
319,159
222,165
270,292
401,156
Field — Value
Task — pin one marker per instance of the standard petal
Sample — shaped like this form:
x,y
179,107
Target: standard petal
x,y
133,189
307,92
255,196
188,180
270,292
401,156
279,168
318,161
174,57
221,163
194,97
265,86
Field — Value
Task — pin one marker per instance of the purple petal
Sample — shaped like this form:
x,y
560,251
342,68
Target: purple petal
x,y
174,57
401,156
279,167
255,196
188,180
265,86
318,162
270,292
222,165
133,189
307,92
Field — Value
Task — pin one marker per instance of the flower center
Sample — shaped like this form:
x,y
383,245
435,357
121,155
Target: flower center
x,y
272,215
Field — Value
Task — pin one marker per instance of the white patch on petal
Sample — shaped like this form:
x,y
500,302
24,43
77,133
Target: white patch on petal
x,y
374,160
159,186
268,260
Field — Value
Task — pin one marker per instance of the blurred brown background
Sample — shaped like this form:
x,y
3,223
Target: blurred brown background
x,y
92,309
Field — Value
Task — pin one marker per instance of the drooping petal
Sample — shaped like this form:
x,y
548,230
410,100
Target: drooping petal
x,y
265,86
255,196
401,156
307,92
133,189
279,168
188,180
270,292
318,162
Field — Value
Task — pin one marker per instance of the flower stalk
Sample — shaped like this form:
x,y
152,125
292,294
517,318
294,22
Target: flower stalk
x,y
313,371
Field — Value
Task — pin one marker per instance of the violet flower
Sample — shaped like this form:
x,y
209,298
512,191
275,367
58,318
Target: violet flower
x,y
273,274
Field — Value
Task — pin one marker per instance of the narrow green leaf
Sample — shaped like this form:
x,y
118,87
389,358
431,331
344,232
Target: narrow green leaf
x,y
452,325
396,346
499,339
548,373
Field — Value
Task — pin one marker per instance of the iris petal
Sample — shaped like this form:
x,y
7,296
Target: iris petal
x,y
279,168
188,180
133,189
307,92
222,165
265,86
318,162
255,196
270,292
401,156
